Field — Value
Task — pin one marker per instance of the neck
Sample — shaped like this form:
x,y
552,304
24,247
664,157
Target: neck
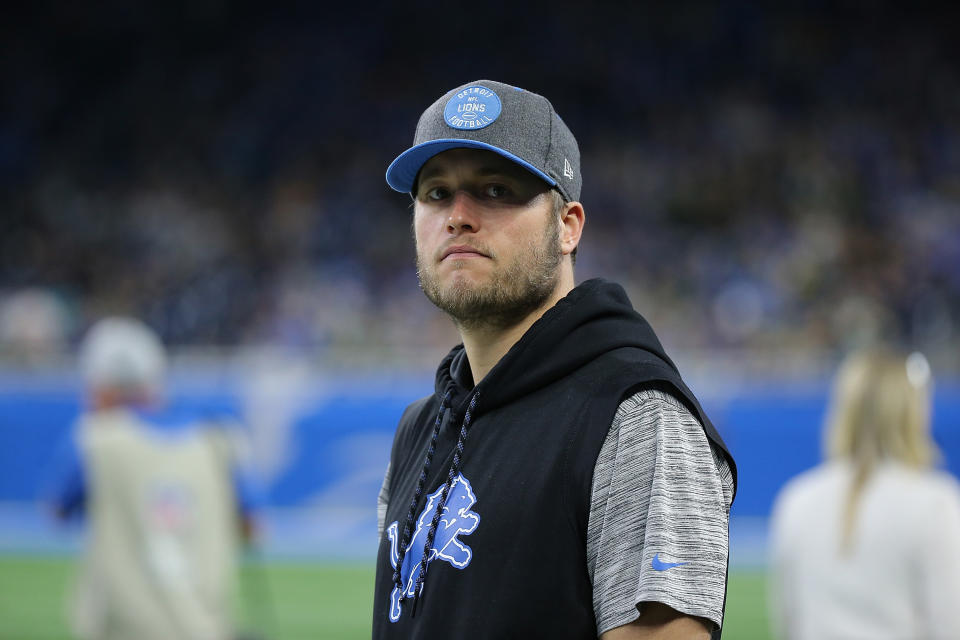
x,y
486,345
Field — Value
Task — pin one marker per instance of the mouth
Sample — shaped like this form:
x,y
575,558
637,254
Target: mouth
x,y
462,251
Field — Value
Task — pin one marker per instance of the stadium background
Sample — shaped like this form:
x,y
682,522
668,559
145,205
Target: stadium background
x,y
773,186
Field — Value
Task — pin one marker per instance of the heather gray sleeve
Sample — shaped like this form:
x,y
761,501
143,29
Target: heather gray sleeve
x,y
657,530
383,498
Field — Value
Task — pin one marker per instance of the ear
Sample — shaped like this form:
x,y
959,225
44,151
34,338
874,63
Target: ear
x,y
572,219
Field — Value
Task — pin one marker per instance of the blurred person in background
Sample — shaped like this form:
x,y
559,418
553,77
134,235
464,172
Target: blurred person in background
x,y
867,544
165,495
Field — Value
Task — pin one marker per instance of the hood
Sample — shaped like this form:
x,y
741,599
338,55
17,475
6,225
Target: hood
x,y
594,318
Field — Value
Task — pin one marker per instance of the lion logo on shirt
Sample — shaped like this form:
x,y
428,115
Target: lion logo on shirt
x,y
456,519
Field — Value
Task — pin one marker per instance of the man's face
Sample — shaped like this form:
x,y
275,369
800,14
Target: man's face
x,y
487,236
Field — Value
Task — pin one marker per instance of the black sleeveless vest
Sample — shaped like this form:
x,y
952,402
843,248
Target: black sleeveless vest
x,y
509,556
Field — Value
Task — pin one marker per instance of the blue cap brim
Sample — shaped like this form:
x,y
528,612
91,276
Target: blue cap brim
x,y
403,171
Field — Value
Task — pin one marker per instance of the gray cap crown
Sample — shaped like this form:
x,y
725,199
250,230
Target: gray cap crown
x,y
517,124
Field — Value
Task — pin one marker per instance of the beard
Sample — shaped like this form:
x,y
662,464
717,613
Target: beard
x,y
512,292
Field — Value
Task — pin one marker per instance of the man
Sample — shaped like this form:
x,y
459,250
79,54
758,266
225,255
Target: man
x,y
164,495
562,481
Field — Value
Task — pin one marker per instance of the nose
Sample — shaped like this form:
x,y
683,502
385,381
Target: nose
x,y
463,216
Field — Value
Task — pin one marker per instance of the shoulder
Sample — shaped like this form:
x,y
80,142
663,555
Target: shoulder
x,y
929,489
652,402
412,423
658,413
946,484
416,408
652,427
934,480
655,435
415,415
676,437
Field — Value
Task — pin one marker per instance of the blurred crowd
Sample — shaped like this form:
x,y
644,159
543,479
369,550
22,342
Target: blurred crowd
x,y
781,180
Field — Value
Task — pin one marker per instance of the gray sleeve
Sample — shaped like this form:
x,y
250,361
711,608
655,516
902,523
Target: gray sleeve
x,y
383,498
660,504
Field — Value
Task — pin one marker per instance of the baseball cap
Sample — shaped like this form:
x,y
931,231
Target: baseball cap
x,y
120,352
517,124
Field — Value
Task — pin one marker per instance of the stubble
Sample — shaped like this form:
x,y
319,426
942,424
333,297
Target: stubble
x,y
512,292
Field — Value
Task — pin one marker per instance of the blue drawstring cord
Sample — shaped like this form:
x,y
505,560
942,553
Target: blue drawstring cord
x,y
412,512
451,474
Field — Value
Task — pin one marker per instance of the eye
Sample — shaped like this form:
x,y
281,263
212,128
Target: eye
x,y
495,191
436,193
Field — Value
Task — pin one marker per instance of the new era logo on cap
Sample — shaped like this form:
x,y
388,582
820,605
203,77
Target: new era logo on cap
x,y
519,125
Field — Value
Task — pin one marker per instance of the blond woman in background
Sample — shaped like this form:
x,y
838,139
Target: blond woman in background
x,y
867,544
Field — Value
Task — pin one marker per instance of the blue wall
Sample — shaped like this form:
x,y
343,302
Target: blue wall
x,y
775,433
338,445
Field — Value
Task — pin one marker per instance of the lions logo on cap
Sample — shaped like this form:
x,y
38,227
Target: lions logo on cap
x,y
473,108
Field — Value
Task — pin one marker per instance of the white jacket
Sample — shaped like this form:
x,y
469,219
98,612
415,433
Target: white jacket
x,y
901,579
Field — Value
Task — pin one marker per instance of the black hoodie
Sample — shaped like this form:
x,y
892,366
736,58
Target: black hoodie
x,y
512,460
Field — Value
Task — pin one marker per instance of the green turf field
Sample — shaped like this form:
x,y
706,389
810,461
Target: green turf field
x,y
288,601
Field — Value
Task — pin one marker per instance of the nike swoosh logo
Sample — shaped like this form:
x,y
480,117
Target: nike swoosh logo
x,y
660,565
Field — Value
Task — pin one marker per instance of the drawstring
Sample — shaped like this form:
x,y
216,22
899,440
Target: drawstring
x,y
412,512
453,472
